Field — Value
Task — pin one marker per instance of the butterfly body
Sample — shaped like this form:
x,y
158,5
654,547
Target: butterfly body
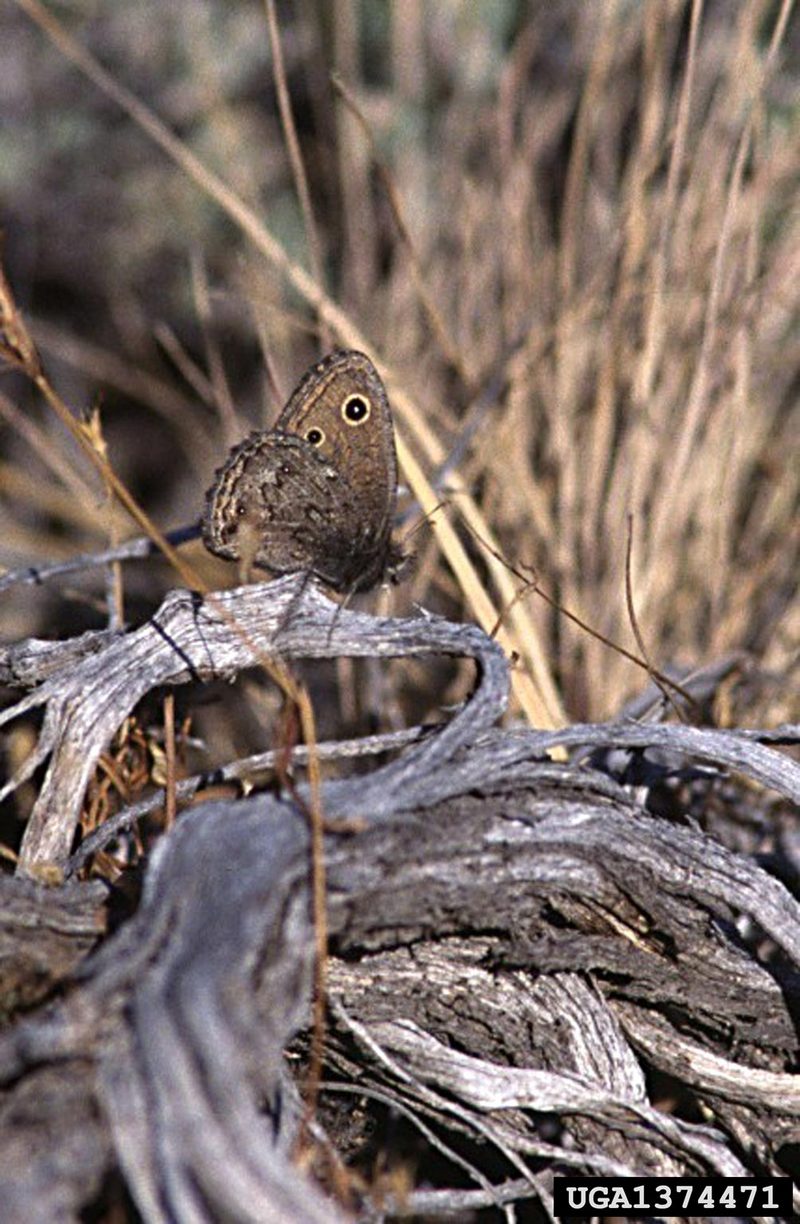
x,y
317,492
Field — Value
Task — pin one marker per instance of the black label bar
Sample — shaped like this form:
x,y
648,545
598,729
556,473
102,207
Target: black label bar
x,y
580,1197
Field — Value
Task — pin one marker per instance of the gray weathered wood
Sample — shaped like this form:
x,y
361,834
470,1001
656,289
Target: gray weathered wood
x,y
515,943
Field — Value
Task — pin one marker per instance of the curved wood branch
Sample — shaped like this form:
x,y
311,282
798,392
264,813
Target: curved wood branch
x,y
190,638
515,944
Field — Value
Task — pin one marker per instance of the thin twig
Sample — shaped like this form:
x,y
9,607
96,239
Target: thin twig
x,y
187,367
320,909
223,399
532,584
296,160
637,633
236,771
170,799
129,550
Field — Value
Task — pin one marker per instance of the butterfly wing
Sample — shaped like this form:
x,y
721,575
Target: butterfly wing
x,y
362,449
278,502
317,492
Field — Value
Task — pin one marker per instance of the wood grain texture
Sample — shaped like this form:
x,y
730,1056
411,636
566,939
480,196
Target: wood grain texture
x,y
524,959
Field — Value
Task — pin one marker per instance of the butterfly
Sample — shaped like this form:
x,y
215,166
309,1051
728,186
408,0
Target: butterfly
x,y
317,492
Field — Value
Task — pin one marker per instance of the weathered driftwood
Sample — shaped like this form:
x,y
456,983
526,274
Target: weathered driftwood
x,y
519,948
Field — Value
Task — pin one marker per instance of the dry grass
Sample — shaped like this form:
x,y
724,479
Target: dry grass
x,y
566,236
573,233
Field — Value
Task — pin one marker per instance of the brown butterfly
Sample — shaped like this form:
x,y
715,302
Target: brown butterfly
x,y
317,492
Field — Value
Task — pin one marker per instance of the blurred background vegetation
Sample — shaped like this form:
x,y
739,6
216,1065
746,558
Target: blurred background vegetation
x,y
568,229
